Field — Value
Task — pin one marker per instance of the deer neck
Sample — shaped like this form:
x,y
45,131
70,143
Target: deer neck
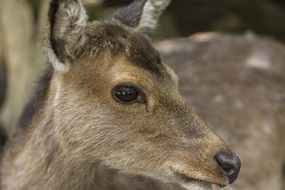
x,y
42,161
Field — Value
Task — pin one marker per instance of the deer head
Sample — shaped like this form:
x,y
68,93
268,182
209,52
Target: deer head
x,y
115,101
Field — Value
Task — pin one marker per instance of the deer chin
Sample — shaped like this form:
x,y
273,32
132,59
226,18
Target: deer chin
x,y
191,183
195,184
201,186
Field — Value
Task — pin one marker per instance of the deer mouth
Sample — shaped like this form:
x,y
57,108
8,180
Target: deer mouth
x,y
201,186
190,183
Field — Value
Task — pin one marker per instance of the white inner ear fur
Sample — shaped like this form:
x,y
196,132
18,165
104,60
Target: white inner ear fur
x,y
151,13
70,19
74,16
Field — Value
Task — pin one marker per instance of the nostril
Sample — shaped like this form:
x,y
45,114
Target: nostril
x,y
230,164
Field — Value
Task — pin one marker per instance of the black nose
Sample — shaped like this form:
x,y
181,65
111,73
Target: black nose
x,y
230,164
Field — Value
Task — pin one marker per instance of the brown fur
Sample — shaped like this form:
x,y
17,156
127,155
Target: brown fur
x,y
77,132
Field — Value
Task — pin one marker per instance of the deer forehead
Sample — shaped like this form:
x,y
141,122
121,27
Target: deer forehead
x,y
123,55
112,40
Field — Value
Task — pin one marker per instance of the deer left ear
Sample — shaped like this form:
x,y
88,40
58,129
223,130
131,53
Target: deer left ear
x,y
67,18
143,15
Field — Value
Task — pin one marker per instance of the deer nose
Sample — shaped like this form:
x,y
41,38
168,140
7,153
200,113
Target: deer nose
x,y
230,164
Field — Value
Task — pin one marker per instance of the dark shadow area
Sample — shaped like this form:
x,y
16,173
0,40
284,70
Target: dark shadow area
x,y
3,82
264,17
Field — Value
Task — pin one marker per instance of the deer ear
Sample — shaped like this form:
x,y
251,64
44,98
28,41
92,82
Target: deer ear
x,y
142,15
67,18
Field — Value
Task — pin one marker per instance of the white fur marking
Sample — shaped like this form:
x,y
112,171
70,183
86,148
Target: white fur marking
x,y
57,65
75,15
196,186
151,13
79,12
57,93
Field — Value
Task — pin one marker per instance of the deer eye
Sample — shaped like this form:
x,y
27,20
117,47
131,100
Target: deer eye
x,y
127,94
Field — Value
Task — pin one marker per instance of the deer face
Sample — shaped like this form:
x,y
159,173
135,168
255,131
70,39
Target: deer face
x,y
117,102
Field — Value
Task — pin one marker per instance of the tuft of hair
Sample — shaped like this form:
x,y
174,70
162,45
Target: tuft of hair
x,y
143,15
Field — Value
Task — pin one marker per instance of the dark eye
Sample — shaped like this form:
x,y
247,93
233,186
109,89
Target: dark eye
x,y
127,94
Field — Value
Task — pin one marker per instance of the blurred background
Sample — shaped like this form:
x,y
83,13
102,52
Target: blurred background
x,y
185,17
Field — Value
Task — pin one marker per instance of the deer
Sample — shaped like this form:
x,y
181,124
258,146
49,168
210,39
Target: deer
x,y
108,104
238,90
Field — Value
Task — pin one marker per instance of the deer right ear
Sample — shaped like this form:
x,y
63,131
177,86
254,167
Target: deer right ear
x,y
142,15
66,19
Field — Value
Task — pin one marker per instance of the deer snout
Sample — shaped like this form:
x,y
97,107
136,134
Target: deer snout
x,y
230,165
